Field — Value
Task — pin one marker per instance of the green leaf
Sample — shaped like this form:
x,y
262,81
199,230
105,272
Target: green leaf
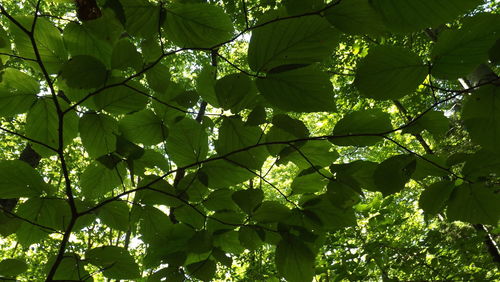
x,y
356,17
205,85
293,126
203,270
170,273
5,47
122,98
18,179
93,38
174,252
358,174
300,90
98,180
12,267
433,165
201,242
389,72
257,116
42,124
151,49
17,92
458,52
98,133
474,203
151,159
193,186
190,216
222,223
116,262
233,89
142,17
84,72
127,149
48,40
285,129
392,174
49,213
187,143
434,198
310,181
158,192
250,238
70,268
481,116
220,199
197,25
271,211
153,223
8,224
221,173
125,55
143,127
302,40
115,215
234,135
409,16
331,217
229,242
435,122
158,78
342,195
482,164
316,153
294,260
494,53
365,122
248,199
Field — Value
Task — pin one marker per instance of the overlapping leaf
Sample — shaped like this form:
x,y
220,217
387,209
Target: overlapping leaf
x,y
302,40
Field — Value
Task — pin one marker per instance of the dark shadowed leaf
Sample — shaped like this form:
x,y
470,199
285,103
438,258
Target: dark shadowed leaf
x,y
392,174
116,262
10,268
84,72
294,260
434,198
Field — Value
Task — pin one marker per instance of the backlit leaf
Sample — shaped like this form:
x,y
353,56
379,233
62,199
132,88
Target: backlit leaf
x,y
302,40
389,72
300,90
116,262
197,25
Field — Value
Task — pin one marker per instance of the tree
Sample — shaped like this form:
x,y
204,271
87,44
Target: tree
x,y
196,139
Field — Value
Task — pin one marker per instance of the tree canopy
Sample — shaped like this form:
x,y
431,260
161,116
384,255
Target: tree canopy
x,y
249,140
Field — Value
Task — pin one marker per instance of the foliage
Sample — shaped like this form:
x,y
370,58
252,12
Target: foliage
x,y
249,140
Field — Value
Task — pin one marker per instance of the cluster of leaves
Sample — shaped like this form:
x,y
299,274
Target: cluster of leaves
x,y
166,166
